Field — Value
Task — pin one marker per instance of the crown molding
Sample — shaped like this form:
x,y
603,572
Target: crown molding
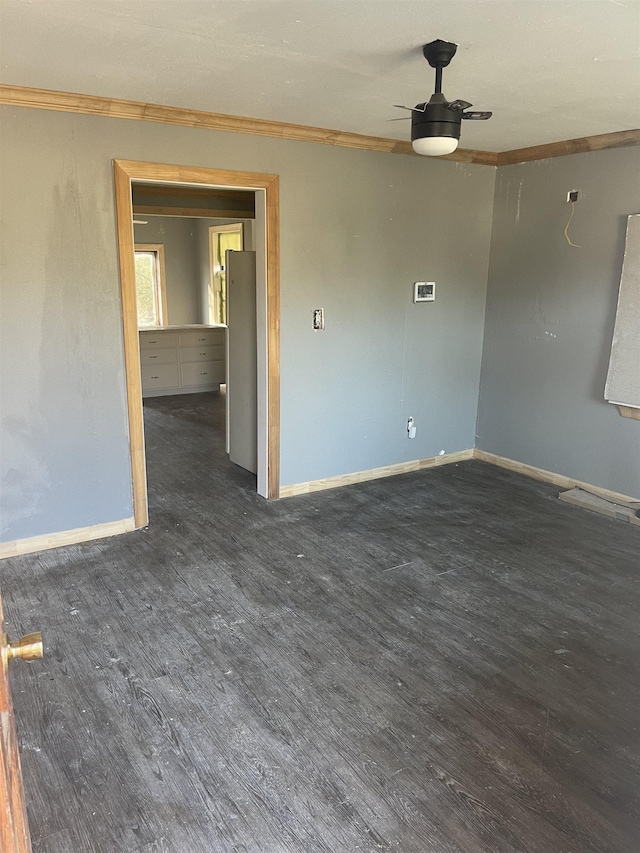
x,y
48,99
621,139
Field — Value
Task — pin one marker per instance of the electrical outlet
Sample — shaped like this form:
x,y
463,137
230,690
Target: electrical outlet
x,y
318,319
572,195
411,428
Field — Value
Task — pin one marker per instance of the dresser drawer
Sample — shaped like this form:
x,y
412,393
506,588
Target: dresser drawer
x,y
208,337
158,340
158,356
159,376
191,354
205,373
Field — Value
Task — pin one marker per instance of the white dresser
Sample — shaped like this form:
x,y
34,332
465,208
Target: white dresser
x,y
182,359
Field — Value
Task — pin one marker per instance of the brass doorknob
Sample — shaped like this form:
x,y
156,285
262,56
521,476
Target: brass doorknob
x,y
28,647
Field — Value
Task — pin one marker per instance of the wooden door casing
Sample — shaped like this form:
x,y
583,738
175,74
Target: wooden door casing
x,y
14,830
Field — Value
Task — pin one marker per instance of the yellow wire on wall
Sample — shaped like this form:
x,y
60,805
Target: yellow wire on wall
x,y
566,228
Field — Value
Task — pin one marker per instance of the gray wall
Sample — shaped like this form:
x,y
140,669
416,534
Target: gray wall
x,y
201,227
357,229
360,232
178,234
550,316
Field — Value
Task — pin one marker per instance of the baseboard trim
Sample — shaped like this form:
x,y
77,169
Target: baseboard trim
x,y
374,474
126,525
65,537
548,476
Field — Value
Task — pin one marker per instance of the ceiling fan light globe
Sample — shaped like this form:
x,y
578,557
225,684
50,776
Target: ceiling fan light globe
x,y
435,146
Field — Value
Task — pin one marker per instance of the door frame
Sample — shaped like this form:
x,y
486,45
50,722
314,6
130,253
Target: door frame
x,y
267,185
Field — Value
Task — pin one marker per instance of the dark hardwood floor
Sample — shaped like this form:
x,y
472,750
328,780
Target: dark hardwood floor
x,y
443,661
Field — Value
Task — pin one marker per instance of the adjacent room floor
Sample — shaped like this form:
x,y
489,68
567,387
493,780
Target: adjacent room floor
x,y
443,661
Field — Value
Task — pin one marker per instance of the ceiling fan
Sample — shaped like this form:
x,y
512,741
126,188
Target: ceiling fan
x,y
435,124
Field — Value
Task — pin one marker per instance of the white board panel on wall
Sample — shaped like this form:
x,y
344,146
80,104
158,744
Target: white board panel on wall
x,y
623,379
242,381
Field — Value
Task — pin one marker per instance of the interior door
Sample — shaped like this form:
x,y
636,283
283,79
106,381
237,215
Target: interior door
x,y
242,355
14,830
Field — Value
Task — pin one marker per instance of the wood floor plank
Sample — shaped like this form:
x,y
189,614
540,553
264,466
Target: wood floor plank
x,y
442,661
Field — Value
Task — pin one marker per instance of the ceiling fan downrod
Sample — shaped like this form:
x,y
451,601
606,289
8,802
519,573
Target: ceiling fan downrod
x,y
439,54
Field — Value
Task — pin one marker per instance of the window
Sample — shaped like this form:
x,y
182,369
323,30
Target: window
x,y
150,285
221,238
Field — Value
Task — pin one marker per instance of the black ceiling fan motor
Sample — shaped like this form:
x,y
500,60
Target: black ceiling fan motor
x,y
435,119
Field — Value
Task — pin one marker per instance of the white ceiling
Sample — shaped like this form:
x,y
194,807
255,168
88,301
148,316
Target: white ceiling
x,y
549,69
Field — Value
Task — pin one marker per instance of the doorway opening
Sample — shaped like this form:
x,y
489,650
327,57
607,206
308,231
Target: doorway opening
x,y
222,239
264,188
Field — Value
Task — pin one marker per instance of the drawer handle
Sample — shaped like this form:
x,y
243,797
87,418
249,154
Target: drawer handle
x,y
28,647
153,356
204,373
155,377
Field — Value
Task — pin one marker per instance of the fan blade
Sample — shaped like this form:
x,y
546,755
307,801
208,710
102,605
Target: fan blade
x,y
477,116
419,108
459,105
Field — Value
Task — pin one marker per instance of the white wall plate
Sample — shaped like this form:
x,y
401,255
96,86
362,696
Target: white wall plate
x,y
424,291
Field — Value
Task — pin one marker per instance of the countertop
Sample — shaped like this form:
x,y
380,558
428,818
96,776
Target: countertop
x,y
179,328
